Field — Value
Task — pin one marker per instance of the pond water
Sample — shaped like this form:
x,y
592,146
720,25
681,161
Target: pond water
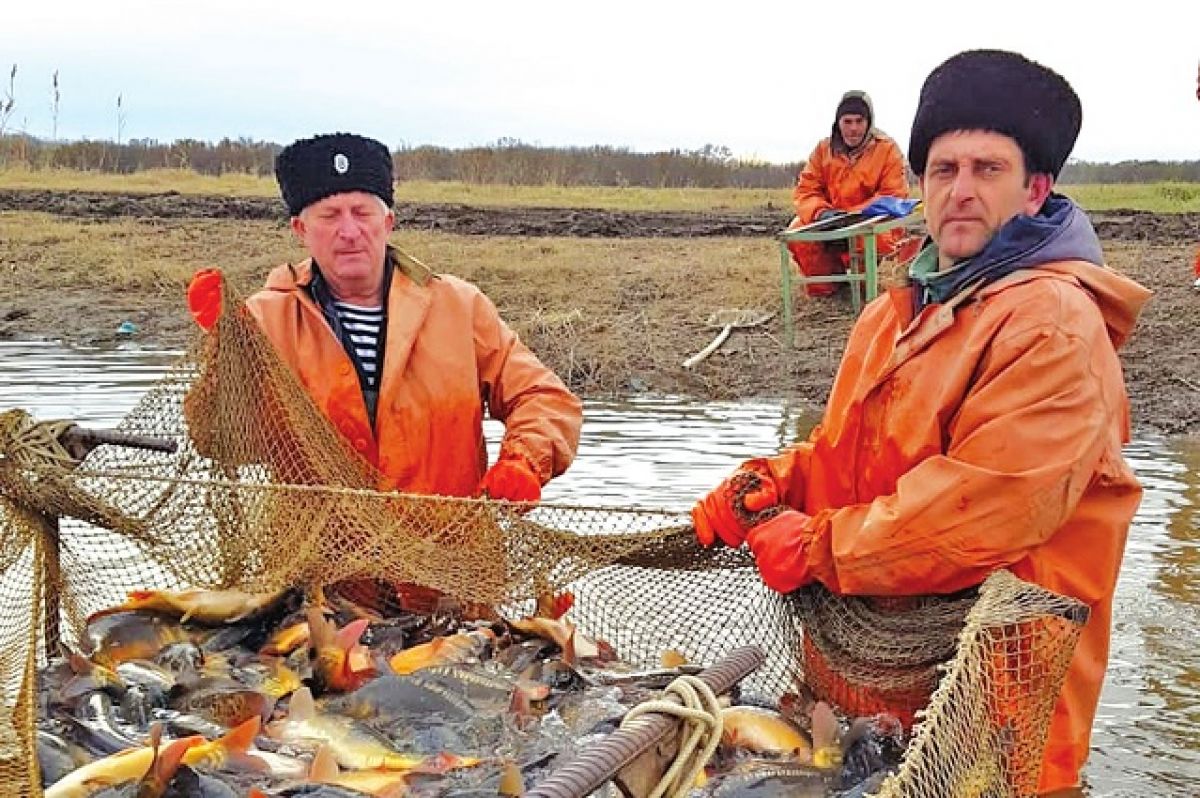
x,y
663,453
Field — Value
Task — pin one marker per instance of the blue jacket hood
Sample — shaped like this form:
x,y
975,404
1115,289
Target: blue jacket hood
x,y
1060,231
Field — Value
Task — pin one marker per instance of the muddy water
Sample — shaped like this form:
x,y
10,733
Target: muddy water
x,y
661,453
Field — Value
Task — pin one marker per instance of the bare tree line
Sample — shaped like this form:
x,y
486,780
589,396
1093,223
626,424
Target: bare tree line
x,y
506,162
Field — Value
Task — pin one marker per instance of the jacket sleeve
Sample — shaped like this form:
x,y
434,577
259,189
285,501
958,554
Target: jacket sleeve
x,y
893,176
542,418
811,195
1025,444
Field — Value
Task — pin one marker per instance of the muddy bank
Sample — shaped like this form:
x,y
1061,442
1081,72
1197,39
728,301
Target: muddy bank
x,y
1119,225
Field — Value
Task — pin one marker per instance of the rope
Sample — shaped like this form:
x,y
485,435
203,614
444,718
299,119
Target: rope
x,y
702,713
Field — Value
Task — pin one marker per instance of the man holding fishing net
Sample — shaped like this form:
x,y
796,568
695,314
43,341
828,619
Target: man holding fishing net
x,y
977,418
402,361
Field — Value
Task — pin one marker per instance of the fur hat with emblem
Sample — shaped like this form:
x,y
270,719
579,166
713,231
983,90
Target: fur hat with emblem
x,y
312,169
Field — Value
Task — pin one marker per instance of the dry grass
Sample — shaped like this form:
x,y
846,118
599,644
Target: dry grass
x,y
603,312
150,181
241,185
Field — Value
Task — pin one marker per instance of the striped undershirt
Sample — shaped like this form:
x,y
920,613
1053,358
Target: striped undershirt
x,y
362,326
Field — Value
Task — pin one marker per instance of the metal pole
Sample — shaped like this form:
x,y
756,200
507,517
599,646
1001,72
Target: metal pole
x,y
785,290
89,439
872,255
600,762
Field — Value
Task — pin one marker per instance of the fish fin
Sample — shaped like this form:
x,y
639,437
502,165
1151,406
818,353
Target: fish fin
x,y
167,758
554,605
78,686
301,707
155,736
825,727
246,763
321,631
511,784
80,664
241,738
672,658
324,765
348,636
268,708
568,648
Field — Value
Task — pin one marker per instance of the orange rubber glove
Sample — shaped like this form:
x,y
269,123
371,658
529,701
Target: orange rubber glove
x,y
204,297
729,510
512,478
781,549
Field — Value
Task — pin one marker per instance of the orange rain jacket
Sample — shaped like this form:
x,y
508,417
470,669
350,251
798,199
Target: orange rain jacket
x,y
448,355
972,438
849,182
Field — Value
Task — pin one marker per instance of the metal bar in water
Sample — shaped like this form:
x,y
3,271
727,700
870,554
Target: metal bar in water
x,y
600,762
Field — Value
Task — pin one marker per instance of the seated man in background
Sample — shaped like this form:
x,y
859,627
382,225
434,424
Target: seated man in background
x,y
853,166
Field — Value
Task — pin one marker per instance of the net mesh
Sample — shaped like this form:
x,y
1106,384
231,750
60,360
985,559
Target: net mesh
x,y
261,493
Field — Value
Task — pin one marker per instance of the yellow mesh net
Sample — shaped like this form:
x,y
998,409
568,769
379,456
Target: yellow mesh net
x,y
261,493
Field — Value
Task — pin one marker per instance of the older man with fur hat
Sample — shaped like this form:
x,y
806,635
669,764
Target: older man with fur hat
x,y
402,361
977,419
855,165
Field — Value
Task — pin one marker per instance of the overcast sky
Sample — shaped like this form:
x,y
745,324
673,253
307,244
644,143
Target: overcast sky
x,y
761,78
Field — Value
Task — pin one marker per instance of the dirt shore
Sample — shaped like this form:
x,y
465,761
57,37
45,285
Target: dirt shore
x,y
616,316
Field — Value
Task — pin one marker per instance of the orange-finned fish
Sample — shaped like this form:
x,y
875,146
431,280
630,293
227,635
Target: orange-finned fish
x,y
354,745
203,606
380,783
763,731
286,640
152,766
113,638
340,662
574,645
452,649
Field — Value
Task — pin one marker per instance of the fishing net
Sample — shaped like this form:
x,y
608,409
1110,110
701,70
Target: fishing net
x,y
262,493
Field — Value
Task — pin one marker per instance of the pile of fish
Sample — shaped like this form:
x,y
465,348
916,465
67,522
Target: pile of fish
x,y
226,694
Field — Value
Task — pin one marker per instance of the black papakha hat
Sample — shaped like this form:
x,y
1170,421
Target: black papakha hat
x,y
1003,92
312,169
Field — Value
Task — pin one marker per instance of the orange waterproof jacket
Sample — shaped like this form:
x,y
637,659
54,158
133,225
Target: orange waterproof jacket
x,y
448,355
973,438
843,182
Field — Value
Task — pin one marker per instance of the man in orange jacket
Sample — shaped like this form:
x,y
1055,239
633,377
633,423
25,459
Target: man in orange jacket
x,y
401,360
855,165
977,418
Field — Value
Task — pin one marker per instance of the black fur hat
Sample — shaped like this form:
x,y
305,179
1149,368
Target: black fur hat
x,y
312,169
1004,92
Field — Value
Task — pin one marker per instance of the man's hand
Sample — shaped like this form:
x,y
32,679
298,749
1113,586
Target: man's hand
x,y
512,478
729,510
781,550
204,297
